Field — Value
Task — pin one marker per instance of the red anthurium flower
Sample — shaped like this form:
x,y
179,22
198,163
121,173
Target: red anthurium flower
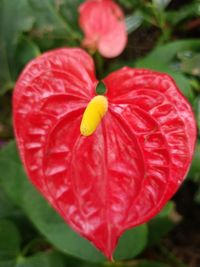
x,y
120,175
103,24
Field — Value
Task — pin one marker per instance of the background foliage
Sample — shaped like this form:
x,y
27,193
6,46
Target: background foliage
x,y
164,36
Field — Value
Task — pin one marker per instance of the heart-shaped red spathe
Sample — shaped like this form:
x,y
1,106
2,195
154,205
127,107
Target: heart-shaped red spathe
x,y
122,174
103,24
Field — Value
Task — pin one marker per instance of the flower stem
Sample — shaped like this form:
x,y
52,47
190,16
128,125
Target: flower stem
x,y
99,62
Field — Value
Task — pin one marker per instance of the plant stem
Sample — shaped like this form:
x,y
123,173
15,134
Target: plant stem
x,y
99,64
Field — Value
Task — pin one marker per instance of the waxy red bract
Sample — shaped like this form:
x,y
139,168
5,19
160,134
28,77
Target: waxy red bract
x,y
123,174
103,24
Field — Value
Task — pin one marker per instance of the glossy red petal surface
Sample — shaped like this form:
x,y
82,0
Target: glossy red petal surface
x,y
126,171
103,24
162,121
54,84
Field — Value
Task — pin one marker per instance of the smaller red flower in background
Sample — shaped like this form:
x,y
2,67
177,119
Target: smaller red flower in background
x,y
103,24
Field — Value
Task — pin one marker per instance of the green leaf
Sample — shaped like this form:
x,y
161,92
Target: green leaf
x,y
6,206
101,88
183,84
164,59
47,18
129,4
15,18
187,11
25,51
45,219
160,225
194,172
11,212
191,65
195,83
161,4
48,259
132,243
196,107
133,22
166,210
9,242
48,222
53,23
69,10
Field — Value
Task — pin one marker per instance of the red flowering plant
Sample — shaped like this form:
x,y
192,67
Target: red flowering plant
x,y
103,24
106,161
113,166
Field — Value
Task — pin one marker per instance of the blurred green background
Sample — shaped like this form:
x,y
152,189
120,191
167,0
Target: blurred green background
x,y
164,36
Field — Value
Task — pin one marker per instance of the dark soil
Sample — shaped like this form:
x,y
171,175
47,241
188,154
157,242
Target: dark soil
x,y
181,247
184,240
